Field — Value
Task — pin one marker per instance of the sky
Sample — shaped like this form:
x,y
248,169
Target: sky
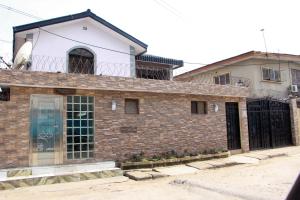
x,y
195,31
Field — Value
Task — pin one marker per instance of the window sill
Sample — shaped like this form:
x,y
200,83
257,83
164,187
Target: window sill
x,y
270,81
80,159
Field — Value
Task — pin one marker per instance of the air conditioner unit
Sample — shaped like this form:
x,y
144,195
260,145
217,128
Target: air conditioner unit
x,y
294,88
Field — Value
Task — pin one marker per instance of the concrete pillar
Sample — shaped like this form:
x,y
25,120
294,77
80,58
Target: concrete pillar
x,y
243,125
132,62
294,122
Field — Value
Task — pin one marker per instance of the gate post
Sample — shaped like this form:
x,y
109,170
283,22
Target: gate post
x,y
243,125
295,122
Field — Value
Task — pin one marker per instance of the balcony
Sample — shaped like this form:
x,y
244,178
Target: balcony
x,y
83,65
240,81
222,80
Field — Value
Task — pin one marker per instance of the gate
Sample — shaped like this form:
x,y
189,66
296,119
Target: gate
x,y
269,123
233,126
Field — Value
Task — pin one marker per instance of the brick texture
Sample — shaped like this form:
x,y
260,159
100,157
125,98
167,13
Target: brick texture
x,y
164,123
109,83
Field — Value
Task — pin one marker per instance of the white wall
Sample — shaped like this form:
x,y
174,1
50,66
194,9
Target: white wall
x,y
251,70
50,51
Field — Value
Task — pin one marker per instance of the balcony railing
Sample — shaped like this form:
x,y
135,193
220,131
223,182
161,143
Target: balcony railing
x,y
81,65
240,81
233,80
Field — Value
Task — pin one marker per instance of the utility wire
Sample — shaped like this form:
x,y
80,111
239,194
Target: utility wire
x,y
240,65
5,41
170,6
167,7
19,12
162,3
195,63
121,52
3,61
92,45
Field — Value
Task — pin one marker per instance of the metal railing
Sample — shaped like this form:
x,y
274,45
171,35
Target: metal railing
x,y
240,81
233,80
80,65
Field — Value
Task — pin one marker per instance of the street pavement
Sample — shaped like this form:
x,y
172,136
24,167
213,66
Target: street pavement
x,y
264,175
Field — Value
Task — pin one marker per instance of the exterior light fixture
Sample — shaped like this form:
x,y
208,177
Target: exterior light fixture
x,y
113,105
216,107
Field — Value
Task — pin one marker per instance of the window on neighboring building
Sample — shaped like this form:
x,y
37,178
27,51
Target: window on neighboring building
x,y
80,127
81,61
131,106
222,79
199,107
270,74
295,76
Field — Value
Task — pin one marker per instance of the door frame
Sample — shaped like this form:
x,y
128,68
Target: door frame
x,y
239,139
59,152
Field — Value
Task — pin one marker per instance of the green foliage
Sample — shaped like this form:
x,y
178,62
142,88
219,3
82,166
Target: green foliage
x,y
172,154
137,157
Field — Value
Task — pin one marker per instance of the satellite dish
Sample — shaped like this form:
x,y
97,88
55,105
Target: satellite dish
x,y
23,55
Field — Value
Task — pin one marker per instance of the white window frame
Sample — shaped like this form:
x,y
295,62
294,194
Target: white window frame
x,y
272,74
219,78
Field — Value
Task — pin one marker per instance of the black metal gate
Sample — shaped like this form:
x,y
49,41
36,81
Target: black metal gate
x,y
233,125
269,123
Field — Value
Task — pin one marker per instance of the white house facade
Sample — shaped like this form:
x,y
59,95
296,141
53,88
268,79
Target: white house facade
x,y
109,50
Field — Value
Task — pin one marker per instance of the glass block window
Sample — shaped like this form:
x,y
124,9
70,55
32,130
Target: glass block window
x,y
80,127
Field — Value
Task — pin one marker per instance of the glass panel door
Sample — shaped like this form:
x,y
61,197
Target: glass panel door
x,y
46,130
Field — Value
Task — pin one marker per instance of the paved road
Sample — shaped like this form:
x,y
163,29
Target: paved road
x,y
270,179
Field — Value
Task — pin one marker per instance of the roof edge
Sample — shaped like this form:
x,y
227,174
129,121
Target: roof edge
x,y
240,58
158,59
226,61
87,13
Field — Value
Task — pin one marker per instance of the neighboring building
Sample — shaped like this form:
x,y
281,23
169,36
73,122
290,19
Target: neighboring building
x,y
101,106
266,74
273,80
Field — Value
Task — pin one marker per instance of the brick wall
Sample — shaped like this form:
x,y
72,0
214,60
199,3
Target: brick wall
x,y
165,123
109,83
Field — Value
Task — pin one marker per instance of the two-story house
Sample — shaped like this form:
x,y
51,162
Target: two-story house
x,y
85,43
267,74
83,91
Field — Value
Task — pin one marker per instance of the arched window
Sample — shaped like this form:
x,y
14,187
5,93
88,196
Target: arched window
x,y
81,61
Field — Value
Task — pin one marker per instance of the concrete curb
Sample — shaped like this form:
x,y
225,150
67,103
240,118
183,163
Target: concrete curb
x,y
238,159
